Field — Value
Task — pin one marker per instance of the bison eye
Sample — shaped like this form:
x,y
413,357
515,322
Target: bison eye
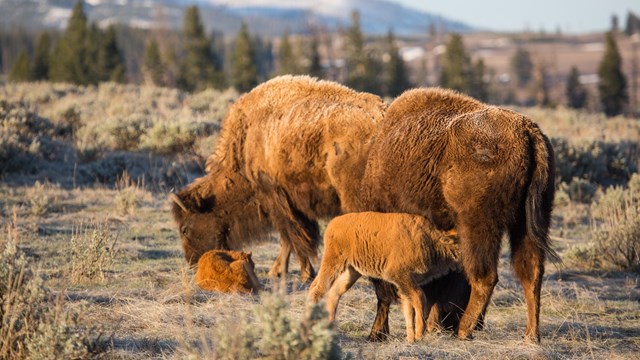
x,y
184,231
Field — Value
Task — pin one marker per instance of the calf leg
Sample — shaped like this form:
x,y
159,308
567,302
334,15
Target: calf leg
x,y
527,260
407,311
342,284
480,247
331,267
386,293
413,303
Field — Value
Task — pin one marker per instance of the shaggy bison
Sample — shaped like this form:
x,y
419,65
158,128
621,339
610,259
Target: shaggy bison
x,y
290,151
227,272
403,249
482,170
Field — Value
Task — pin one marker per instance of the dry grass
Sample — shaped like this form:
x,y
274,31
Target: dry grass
x,y
143,298
150,307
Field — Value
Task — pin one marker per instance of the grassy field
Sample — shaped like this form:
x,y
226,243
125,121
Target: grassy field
x,y
103,253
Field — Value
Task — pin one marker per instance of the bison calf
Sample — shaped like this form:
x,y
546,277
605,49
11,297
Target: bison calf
x,y
227,272
405,250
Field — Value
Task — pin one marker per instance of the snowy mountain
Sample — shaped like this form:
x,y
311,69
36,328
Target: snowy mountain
x,y
267,17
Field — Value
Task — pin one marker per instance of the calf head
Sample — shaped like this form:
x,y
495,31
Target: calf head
x,y
250,270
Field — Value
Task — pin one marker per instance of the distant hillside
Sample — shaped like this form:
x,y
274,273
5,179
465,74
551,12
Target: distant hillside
x,y
267,17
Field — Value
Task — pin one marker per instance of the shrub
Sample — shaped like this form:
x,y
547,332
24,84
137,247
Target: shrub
x,y
617,227
68,122
170,137
579,190
126,199
603,163
39,200
93,251
24,136
125,133
33,323
275,334
584,256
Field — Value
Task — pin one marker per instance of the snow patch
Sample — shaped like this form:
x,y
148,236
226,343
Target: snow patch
x,y
57,16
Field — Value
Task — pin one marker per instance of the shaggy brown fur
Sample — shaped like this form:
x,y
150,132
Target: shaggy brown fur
x,y
484,170
290,151
402,249
227,272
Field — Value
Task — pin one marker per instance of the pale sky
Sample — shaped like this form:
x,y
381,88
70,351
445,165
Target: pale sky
x,y
572,16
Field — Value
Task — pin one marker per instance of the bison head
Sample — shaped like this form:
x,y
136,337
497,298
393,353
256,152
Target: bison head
x,y
201,225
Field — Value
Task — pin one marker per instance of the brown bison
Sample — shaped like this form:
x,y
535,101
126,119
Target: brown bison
x,y
402,249
291,151
227,271
482,170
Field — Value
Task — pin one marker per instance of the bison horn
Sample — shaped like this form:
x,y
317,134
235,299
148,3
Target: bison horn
x,y
178,201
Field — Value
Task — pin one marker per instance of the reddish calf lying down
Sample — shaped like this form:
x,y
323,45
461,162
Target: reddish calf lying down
x,y
228,272
405,250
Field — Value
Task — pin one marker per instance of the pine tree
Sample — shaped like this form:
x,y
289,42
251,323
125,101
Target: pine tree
x,y
70,62
197,70
287,62
576,92
263,57
633,24
363,69
396,79
315,65
479,87
541,86
40,67
110,62
20,70
613,85
244,75
522,67
152,68
92,61
456,66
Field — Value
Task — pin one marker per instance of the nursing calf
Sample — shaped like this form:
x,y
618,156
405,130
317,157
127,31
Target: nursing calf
x,y
404,250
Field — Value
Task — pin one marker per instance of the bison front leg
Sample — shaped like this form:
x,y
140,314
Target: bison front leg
x,y
386,293
281,265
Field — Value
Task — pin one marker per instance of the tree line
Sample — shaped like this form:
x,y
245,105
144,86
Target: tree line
x,y
192,60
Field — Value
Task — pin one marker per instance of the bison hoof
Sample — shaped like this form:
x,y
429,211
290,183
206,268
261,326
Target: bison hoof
x,y
462,335
532,338
274,273
378,337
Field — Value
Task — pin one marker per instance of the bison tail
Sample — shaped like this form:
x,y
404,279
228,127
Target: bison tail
x,y
539,201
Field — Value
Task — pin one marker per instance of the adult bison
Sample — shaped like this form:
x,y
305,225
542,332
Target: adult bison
x,y
291,151
483,170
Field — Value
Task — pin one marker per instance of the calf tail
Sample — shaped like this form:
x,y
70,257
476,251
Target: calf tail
x,y
540,193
